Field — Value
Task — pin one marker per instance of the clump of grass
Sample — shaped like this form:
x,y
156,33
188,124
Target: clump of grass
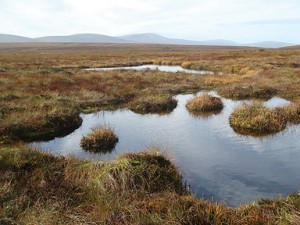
x,y
245,92
160,104
256,120
148,171
101,139
204,104
291,112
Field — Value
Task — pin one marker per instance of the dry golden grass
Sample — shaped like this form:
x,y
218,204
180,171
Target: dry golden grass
x,y
205,103
256,120
100,139
161,104
291,112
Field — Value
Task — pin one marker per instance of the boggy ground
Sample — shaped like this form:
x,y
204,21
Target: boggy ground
x,y
136,188
43,89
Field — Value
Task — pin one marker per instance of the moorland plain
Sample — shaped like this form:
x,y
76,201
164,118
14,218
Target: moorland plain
x,y
44,88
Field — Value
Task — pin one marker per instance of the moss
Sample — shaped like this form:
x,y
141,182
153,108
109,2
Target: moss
x,y
101,139
204,104
256,120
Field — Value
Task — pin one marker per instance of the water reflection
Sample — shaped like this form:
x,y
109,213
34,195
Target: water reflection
x,y
172,69
218,163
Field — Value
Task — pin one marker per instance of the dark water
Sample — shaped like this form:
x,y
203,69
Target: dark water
x,y
218,163
172,69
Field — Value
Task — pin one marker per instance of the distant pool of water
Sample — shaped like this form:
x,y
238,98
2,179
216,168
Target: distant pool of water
x,y
218,163
172,69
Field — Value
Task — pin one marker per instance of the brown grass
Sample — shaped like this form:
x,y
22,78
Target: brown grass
x,y
245,92
43,89
291,112
256,120
100,139
205,103
136,188
40,76
160,104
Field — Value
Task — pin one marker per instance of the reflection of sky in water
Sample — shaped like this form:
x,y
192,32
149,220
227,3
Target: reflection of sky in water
x,y
172,69
218,163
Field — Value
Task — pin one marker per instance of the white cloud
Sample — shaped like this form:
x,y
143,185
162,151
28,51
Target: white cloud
x,y
238,20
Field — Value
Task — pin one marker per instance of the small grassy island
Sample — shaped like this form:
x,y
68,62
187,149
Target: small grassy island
x,y
204,104
257,120
159,104
100,139
291,112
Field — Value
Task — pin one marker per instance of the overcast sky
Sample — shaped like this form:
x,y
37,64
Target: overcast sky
x,y
237,20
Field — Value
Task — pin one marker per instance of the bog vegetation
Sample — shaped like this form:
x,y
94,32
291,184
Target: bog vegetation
x,y
101,139
136,188
205,103
257,120
43,90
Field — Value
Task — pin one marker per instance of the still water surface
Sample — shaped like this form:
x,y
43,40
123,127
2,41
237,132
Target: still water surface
x,y
218,163
172,69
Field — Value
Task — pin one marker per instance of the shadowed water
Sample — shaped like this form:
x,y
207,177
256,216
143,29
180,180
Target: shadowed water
x,y
172,69
218,163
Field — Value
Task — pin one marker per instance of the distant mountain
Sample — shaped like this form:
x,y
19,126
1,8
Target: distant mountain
x,y
269,44
8,38
83,38
150,38
147,38
220,42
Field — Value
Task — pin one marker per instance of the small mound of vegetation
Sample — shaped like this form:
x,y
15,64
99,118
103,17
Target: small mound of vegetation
x,y
205,103
38,121
246,92
148,171
256,120
291,112
160,104
101,139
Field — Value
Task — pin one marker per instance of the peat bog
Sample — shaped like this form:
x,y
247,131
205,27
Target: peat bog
x,y
45,92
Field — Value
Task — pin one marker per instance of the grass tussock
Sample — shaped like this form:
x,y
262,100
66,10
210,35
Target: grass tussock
x,y
160,104
148,171
256,120
100,139
136,188
291,112
204,104
246,92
